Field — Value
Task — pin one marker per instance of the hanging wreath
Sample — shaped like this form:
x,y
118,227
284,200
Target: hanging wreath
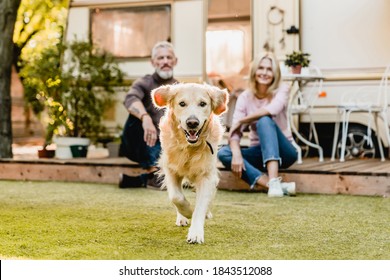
x,y
275,17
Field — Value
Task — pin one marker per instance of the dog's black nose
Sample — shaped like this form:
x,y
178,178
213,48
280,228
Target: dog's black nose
x,y
192,122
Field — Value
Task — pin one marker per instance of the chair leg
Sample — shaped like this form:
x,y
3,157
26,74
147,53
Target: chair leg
x,y
379,140
386,128
307,142
299,151
382,153
313,130
335,137
344,134
320,154
315,135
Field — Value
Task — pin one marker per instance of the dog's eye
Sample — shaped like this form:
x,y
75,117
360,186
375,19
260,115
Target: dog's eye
x,y
202,104
182,104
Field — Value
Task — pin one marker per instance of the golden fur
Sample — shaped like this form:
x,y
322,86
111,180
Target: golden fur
x,y
190,134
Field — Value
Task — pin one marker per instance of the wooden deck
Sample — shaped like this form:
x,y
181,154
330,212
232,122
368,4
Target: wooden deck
x,y
355,177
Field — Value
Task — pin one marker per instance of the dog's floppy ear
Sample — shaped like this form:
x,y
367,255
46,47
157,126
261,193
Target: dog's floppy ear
x,y
160,96
219,99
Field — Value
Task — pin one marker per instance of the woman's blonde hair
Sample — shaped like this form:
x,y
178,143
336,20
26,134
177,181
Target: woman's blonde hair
x,y
275,69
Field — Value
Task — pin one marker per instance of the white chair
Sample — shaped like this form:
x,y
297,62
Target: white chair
x,y
302,102
374,103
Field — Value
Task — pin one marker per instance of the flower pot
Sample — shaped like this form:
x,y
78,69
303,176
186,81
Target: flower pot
x,y
296,69
113,149
44,153
63,150
79,151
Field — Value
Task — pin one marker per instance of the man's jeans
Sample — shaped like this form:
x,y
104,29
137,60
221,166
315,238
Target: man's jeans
x,y
134,147
154,155
273,146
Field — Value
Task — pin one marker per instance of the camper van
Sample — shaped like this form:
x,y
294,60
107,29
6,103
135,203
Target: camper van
x,y
215,41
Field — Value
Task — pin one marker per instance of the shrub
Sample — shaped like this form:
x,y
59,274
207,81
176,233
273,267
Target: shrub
x,y
71,97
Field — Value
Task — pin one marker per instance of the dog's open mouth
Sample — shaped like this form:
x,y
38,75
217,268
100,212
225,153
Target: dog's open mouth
x,y
192,136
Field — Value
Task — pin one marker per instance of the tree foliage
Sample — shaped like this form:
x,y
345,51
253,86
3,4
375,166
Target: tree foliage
x,y
39,25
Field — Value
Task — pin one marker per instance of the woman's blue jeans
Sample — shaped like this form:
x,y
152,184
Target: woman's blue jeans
x,y
273,146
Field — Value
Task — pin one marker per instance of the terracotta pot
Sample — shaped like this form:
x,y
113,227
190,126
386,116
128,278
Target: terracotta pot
x,y
43,153
296,69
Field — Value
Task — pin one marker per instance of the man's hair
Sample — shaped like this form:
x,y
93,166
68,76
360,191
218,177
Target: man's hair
x,y
162,44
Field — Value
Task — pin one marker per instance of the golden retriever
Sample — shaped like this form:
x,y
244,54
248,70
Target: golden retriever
x,y
190,133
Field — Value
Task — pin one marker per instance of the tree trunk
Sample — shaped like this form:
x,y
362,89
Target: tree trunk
x,y
8,11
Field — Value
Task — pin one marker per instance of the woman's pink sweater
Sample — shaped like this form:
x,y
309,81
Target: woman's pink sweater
x,y
248,104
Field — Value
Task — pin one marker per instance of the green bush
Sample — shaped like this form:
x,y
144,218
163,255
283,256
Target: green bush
x,y
43,87
71,97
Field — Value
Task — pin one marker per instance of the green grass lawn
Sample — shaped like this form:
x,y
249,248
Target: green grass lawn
x,y
71,221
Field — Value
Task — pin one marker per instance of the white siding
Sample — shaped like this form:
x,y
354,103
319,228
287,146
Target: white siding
x,y
347,34
188,37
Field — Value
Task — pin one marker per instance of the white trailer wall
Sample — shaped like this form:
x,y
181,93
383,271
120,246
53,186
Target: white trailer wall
x,y
348,35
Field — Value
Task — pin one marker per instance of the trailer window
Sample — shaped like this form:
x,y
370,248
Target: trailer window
x,y
130,31
225,51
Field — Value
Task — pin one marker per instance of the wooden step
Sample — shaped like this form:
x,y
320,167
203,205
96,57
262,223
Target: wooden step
x,y
355,177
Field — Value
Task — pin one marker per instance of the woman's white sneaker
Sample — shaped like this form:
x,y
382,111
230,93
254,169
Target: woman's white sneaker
x,y
275,187
289,188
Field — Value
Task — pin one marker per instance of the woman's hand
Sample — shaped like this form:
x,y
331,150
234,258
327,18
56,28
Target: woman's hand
x,y
235,128
237,165
254,117
244,121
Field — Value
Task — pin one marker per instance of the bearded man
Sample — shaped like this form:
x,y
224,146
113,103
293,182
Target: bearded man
x,y
140,137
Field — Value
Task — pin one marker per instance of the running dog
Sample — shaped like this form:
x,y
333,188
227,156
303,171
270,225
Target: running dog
x,y
190,134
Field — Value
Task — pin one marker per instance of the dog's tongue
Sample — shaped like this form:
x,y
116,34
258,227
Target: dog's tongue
x,y
192,135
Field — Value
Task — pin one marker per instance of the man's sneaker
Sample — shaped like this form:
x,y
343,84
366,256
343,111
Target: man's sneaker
x,y
275,187
289,188
126,181
154,182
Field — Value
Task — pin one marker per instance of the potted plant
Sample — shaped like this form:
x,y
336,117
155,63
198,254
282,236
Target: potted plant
x,y
41,77
74,96
296,60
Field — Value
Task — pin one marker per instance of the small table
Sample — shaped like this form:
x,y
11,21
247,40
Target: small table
x,y
299,103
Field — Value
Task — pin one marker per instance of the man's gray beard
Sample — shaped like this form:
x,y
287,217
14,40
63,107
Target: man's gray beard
x,y
165,75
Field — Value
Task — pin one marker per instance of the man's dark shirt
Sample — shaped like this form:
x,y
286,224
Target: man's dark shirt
x,y
141,91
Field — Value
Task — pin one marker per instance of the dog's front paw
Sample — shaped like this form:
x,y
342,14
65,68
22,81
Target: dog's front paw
x,y
181,221
195,235
209,215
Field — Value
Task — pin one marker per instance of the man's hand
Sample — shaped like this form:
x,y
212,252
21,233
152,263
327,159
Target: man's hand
x,y
150,131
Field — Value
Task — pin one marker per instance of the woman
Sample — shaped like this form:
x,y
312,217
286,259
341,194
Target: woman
x,y
262,108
